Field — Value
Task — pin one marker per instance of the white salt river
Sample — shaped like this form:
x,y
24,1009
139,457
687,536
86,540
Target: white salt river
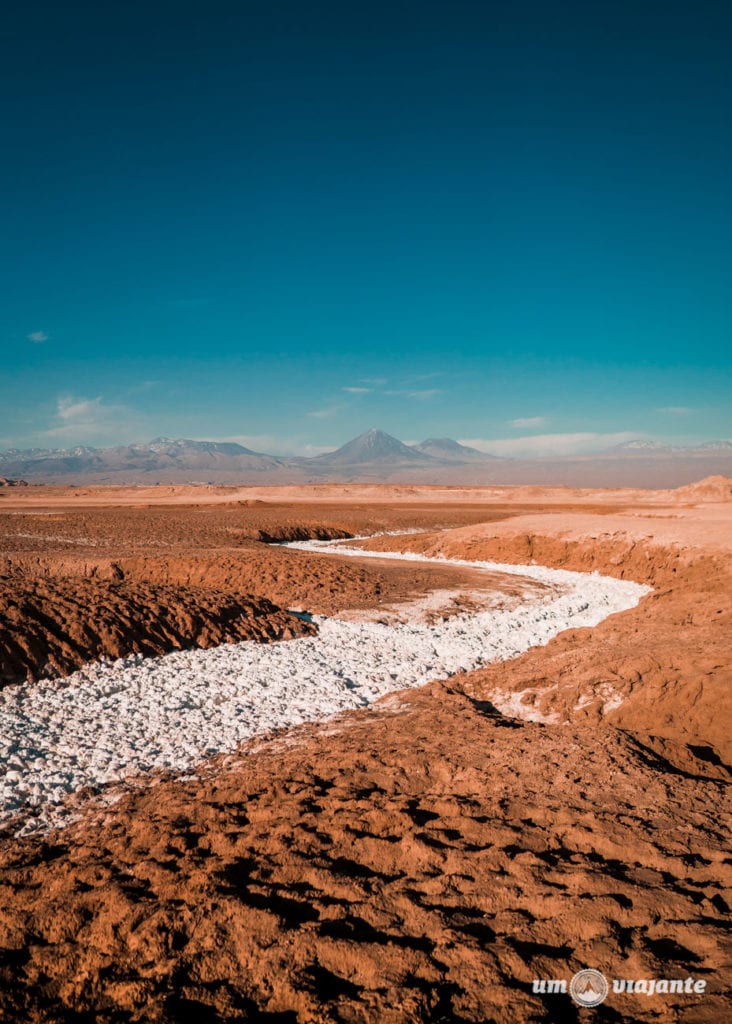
x,y
115,721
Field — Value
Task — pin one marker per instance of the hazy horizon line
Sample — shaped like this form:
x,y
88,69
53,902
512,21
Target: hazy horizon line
x,y
558,445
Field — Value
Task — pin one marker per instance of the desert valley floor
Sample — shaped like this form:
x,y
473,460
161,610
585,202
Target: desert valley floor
x,y
501,758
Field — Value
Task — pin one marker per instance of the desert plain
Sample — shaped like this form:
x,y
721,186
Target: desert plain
x,y
424,855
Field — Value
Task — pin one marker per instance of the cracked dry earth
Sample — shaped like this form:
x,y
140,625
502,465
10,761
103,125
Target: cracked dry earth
x,y
424,859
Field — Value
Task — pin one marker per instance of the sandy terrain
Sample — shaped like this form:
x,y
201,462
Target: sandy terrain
x,y
339,495
420,860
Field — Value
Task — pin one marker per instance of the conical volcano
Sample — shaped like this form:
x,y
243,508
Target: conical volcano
x,y
374,446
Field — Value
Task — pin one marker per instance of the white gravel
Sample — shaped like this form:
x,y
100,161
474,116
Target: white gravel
x,y
112,721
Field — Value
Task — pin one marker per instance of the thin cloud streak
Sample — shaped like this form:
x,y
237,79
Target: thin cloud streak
x,y
528,421
418,396
81,420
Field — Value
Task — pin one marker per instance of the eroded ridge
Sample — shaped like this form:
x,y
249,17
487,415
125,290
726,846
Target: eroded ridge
x,y
112,721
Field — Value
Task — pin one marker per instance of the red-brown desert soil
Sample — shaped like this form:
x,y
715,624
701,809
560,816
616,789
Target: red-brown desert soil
x,y
76,586
423,860
52,627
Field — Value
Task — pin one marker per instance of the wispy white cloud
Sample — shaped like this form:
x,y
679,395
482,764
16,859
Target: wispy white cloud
x,y
423,395
420,378
94,421
78,410
538,445
309,450
528,421
675,410
38,337
357,391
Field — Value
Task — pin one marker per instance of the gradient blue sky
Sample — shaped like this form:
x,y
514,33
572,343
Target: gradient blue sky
x,y
286,222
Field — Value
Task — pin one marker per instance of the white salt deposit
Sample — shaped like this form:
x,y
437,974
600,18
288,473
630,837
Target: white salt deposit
x,y
113,721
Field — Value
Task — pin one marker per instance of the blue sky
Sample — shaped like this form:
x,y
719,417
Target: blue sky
x,y
285,223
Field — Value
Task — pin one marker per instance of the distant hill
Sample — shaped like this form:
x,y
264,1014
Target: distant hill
x,y
714,446
450,451
170,446
643,447
163,458
374,456
640,447
713,488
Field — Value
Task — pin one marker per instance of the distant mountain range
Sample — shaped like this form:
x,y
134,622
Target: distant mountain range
x,y
372,457
641,447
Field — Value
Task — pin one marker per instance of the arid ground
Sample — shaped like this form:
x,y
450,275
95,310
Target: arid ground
x,y
425,858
